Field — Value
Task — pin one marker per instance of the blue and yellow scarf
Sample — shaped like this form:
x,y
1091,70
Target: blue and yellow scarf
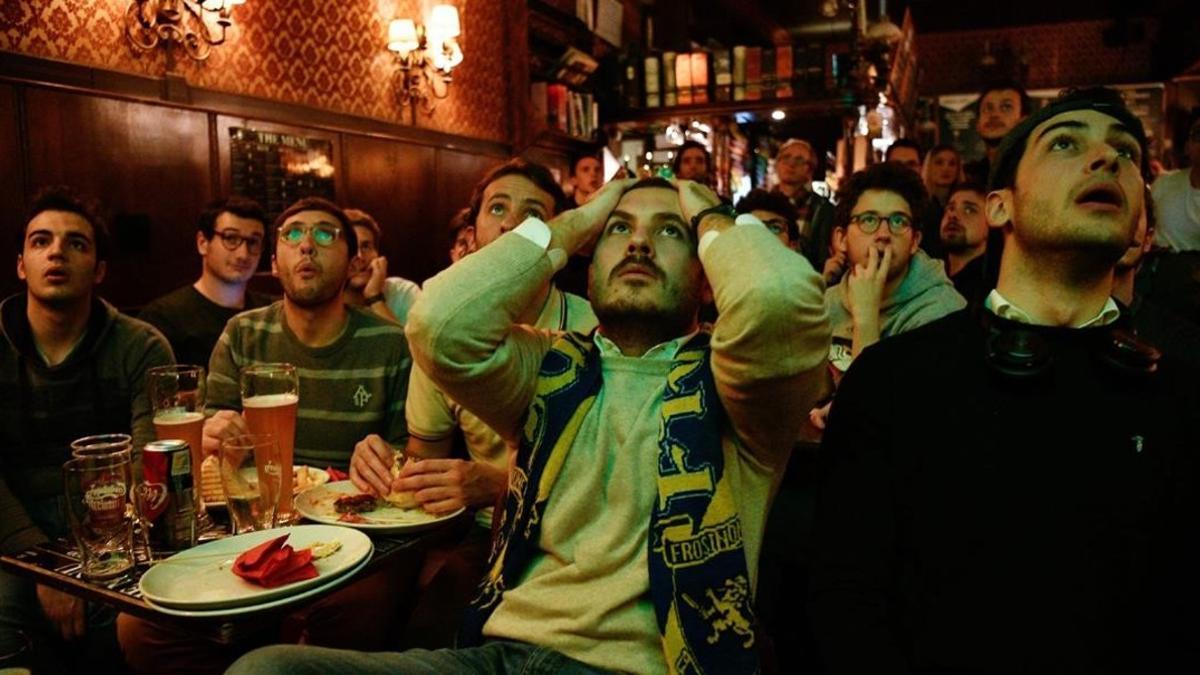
x,y
698,577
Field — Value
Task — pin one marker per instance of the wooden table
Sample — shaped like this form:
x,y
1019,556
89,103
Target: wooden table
x,y
56,564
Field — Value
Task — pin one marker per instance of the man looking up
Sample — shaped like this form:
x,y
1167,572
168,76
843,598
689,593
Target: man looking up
x,y
964,233
587,174
369,285
647,457
972,544
795,162
230,237
71,366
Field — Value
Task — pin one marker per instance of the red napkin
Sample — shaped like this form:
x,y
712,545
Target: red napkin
x,y
336,475
274,563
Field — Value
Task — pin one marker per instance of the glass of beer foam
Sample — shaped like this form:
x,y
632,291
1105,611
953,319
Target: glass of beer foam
x,y
270,397
177,397
250,479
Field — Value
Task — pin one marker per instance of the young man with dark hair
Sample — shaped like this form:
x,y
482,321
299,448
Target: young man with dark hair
x,y
964,234
369,285
692,162
776,212
1044,522
905,152
71,366
795,165
230,237
1001,106
587,175
648,452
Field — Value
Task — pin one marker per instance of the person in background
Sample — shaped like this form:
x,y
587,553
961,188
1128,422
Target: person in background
x,y
1001,106
504,198
776,212
71,366
693,162
905,152
941,171
587,175
795,164
230,238
1176,269
461,235
369,285
964,234
950,536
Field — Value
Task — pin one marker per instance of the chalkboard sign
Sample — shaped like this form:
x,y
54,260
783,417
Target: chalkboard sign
x,y
277,169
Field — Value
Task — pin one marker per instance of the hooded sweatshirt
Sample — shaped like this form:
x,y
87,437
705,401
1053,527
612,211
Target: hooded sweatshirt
x,y
99,388
925,295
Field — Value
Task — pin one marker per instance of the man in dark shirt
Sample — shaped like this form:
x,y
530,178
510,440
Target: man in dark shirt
x,y
795,167
1042,518
964,234
230,237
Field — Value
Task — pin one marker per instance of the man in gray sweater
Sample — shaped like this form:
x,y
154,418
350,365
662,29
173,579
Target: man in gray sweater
x,y
71,365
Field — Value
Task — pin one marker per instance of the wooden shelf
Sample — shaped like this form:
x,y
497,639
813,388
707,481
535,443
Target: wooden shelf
x,y
829,105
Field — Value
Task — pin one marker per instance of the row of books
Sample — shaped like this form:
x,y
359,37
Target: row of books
x,y
738,74
571,112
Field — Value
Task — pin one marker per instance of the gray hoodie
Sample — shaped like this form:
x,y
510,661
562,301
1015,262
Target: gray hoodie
x,y
926,294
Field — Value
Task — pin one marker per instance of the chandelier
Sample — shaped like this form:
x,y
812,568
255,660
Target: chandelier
x,y
197,25
426,54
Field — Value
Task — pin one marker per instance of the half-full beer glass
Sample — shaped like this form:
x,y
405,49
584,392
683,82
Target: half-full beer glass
x,y
177,397
98,491
270,397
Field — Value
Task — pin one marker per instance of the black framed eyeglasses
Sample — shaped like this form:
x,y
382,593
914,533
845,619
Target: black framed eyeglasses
x,y
231,240
322,234
870,221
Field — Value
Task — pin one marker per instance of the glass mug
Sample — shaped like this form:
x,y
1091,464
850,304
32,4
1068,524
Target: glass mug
x,y
250,480
270,397
177,398
99,492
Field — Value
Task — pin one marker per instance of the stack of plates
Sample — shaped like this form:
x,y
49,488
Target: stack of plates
x,y
200,582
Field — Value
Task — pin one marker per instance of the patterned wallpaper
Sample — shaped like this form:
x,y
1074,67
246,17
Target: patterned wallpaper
x,y
328,54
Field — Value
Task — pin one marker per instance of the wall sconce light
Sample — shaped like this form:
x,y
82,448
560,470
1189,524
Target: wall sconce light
x,y
198,25
426,54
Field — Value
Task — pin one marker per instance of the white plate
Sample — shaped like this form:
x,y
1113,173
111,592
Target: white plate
x,y
203,578
279,602
317,504
210,480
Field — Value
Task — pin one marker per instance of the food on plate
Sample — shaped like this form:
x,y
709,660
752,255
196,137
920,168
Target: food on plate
x,y
357,503
324,549
401,500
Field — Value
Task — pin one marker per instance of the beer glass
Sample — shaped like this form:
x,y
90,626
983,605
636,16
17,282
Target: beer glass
x,y
98,490
250,478
177,397
270,397
102,445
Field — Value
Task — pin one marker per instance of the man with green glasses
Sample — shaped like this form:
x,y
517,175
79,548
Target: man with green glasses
x,y
890,285
230,238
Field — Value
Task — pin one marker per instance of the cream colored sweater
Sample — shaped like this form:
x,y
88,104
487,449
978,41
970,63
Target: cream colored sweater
x,y
586,593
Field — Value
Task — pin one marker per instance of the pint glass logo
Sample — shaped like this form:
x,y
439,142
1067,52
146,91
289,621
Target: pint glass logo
x,y
105,502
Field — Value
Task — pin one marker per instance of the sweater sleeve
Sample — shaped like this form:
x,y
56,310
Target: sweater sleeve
x,y
224,391
17,531
463,330
771,339
855,533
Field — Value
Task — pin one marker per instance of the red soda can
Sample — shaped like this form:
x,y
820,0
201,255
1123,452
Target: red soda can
x,y
165,495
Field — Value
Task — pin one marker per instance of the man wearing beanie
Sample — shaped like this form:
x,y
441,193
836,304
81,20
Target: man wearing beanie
x,y
1016,491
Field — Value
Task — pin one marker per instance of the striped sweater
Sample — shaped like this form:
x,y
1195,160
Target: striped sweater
x,y
348,389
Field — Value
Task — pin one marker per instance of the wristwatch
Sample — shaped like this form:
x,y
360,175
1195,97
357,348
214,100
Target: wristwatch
x,y
372,299
722,208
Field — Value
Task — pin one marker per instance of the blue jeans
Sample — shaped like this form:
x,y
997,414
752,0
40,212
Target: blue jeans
x,y
493,658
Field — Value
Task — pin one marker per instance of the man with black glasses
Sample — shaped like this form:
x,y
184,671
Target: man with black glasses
x,y
230,238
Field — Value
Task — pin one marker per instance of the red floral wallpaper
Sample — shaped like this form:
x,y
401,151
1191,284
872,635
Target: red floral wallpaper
x,y
321,53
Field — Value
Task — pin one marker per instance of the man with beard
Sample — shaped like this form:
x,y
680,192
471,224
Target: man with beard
x,y
1001,107
795,166
692,162
1017,490
964,233
230,237
630,535
71,366
353,368
369,285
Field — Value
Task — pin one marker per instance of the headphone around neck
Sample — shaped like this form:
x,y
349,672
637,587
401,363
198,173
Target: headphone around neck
x,y
1023,352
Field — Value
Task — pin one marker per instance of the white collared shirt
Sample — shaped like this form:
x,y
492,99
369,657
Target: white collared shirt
x,y
1000,306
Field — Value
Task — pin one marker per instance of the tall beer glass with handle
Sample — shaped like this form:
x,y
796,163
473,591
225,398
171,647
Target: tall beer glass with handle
x,y
270,397
177,397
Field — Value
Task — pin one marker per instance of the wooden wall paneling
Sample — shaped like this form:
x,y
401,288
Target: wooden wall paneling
x,y
12,190
393,181
147,163
457,174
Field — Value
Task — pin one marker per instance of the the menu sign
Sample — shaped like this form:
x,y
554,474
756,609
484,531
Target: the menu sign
x,y
276,169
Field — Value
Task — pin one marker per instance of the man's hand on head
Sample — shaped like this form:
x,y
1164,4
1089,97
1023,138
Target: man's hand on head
x,y
695,197
572,230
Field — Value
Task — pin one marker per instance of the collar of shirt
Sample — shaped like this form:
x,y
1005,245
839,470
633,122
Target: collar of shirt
x,y
664,351
1000,306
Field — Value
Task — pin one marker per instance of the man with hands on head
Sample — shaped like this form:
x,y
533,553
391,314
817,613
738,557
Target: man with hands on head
x,y
648,451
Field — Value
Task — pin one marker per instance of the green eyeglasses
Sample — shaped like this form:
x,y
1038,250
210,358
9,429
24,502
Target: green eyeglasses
x,y
321,234
870,221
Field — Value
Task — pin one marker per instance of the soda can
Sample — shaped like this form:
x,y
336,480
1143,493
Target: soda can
x,y
166,494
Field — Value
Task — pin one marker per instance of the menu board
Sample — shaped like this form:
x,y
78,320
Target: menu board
x,y
276,169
